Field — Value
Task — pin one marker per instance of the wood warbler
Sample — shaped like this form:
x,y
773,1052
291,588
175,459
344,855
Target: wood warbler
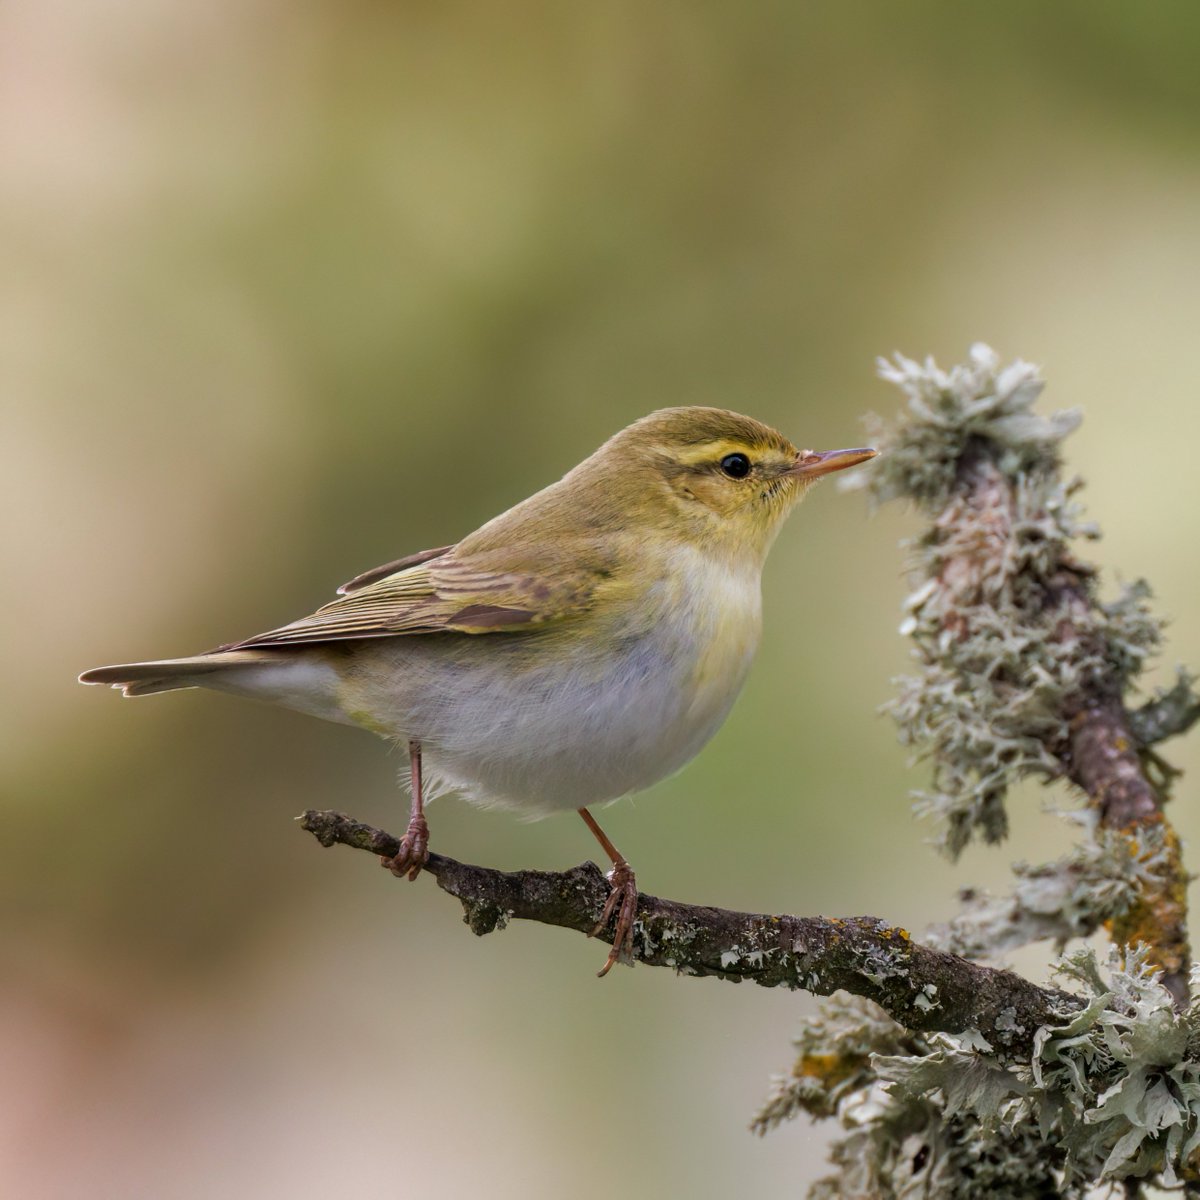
x,y
579,647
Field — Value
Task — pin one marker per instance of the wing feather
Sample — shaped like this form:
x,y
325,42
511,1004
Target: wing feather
x,y
438,592
377,573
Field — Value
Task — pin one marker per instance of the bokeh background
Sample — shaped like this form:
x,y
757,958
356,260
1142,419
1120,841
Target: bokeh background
x,y
291,289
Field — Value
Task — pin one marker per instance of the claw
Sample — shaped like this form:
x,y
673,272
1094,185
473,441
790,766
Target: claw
x,y
414,850
623,901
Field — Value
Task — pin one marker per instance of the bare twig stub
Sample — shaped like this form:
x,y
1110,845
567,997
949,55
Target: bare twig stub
x,y
1172,712
923,989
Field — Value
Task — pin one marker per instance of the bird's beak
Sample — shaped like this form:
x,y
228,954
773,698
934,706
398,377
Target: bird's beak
x,y
812,464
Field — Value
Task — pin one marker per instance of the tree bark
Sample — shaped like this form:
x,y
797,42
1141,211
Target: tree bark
x,y
924,990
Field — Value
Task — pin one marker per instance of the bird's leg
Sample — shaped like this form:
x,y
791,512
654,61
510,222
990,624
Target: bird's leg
x,y
622,899
414,845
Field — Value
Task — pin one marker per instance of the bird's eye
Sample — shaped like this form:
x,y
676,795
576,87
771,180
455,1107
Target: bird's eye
x,y
736,466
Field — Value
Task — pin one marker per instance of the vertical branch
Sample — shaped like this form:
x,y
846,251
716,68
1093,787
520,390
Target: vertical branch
x,y
1024,670
1099,752
1103,760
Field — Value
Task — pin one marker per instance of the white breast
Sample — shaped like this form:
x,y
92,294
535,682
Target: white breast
x,y
556,722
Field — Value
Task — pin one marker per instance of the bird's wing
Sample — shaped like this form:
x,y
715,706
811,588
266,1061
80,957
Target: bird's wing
x,y
446,593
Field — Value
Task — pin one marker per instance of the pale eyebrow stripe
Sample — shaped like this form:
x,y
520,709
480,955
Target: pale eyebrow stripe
x,y
712,451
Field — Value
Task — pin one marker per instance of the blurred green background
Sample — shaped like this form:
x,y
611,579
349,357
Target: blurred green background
x,y
291,289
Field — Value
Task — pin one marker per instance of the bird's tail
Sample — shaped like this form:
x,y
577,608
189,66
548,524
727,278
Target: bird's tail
x,y
167,674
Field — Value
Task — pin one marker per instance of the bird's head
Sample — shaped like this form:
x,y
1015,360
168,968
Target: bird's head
x,y
711,476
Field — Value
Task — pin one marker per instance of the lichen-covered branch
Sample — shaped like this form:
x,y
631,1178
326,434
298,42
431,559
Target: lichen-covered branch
x,y
953,1079
1023,669
920,988
1112,1095
1097,882
1104,761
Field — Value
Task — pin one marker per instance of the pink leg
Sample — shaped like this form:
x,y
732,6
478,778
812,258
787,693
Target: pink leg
x,y
622,899
414,845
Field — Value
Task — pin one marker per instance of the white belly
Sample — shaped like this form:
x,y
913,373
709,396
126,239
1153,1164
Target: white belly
x,y
539,723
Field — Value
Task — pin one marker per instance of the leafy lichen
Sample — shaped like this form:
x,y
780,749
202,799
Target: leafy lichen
x,y
1001,650
1110,1095
973,404
1098,882
833,1061
1011,638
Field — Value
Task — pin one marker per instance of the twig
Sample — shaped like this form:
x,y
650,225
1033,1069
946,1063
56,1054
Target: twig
x,y
1169,714
924,990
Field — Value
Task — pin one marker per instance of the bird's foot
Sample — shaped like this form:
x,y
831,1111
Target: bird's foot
x,y
414,850
623,901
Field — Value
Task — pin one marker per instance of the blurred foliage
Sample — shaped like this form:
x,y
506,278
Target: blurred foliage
x,y
293,289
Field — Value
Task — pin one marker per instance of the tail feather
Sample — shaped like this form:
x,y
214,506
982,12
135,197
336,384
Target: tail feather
x,y
169,674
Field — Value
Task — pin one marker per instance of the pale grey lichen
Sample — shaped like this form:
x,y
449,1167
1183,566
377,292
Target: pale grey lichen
x,y
1097,881
1122,1080
1112,1094
1008,633
1169,712
833,1060
1001,650
974,402
907,1104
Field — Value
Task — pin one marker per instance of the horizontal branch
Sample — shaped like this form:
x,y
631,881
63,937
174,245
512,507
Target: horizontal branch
x,y
924,990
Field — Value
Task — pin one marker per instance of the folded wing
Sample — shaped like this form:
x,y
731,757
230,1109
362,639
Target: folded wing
x,y
442,592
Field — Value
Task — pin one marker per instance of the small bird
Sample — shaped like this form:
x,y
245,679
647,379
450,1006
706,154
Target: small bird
x,y
579,647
